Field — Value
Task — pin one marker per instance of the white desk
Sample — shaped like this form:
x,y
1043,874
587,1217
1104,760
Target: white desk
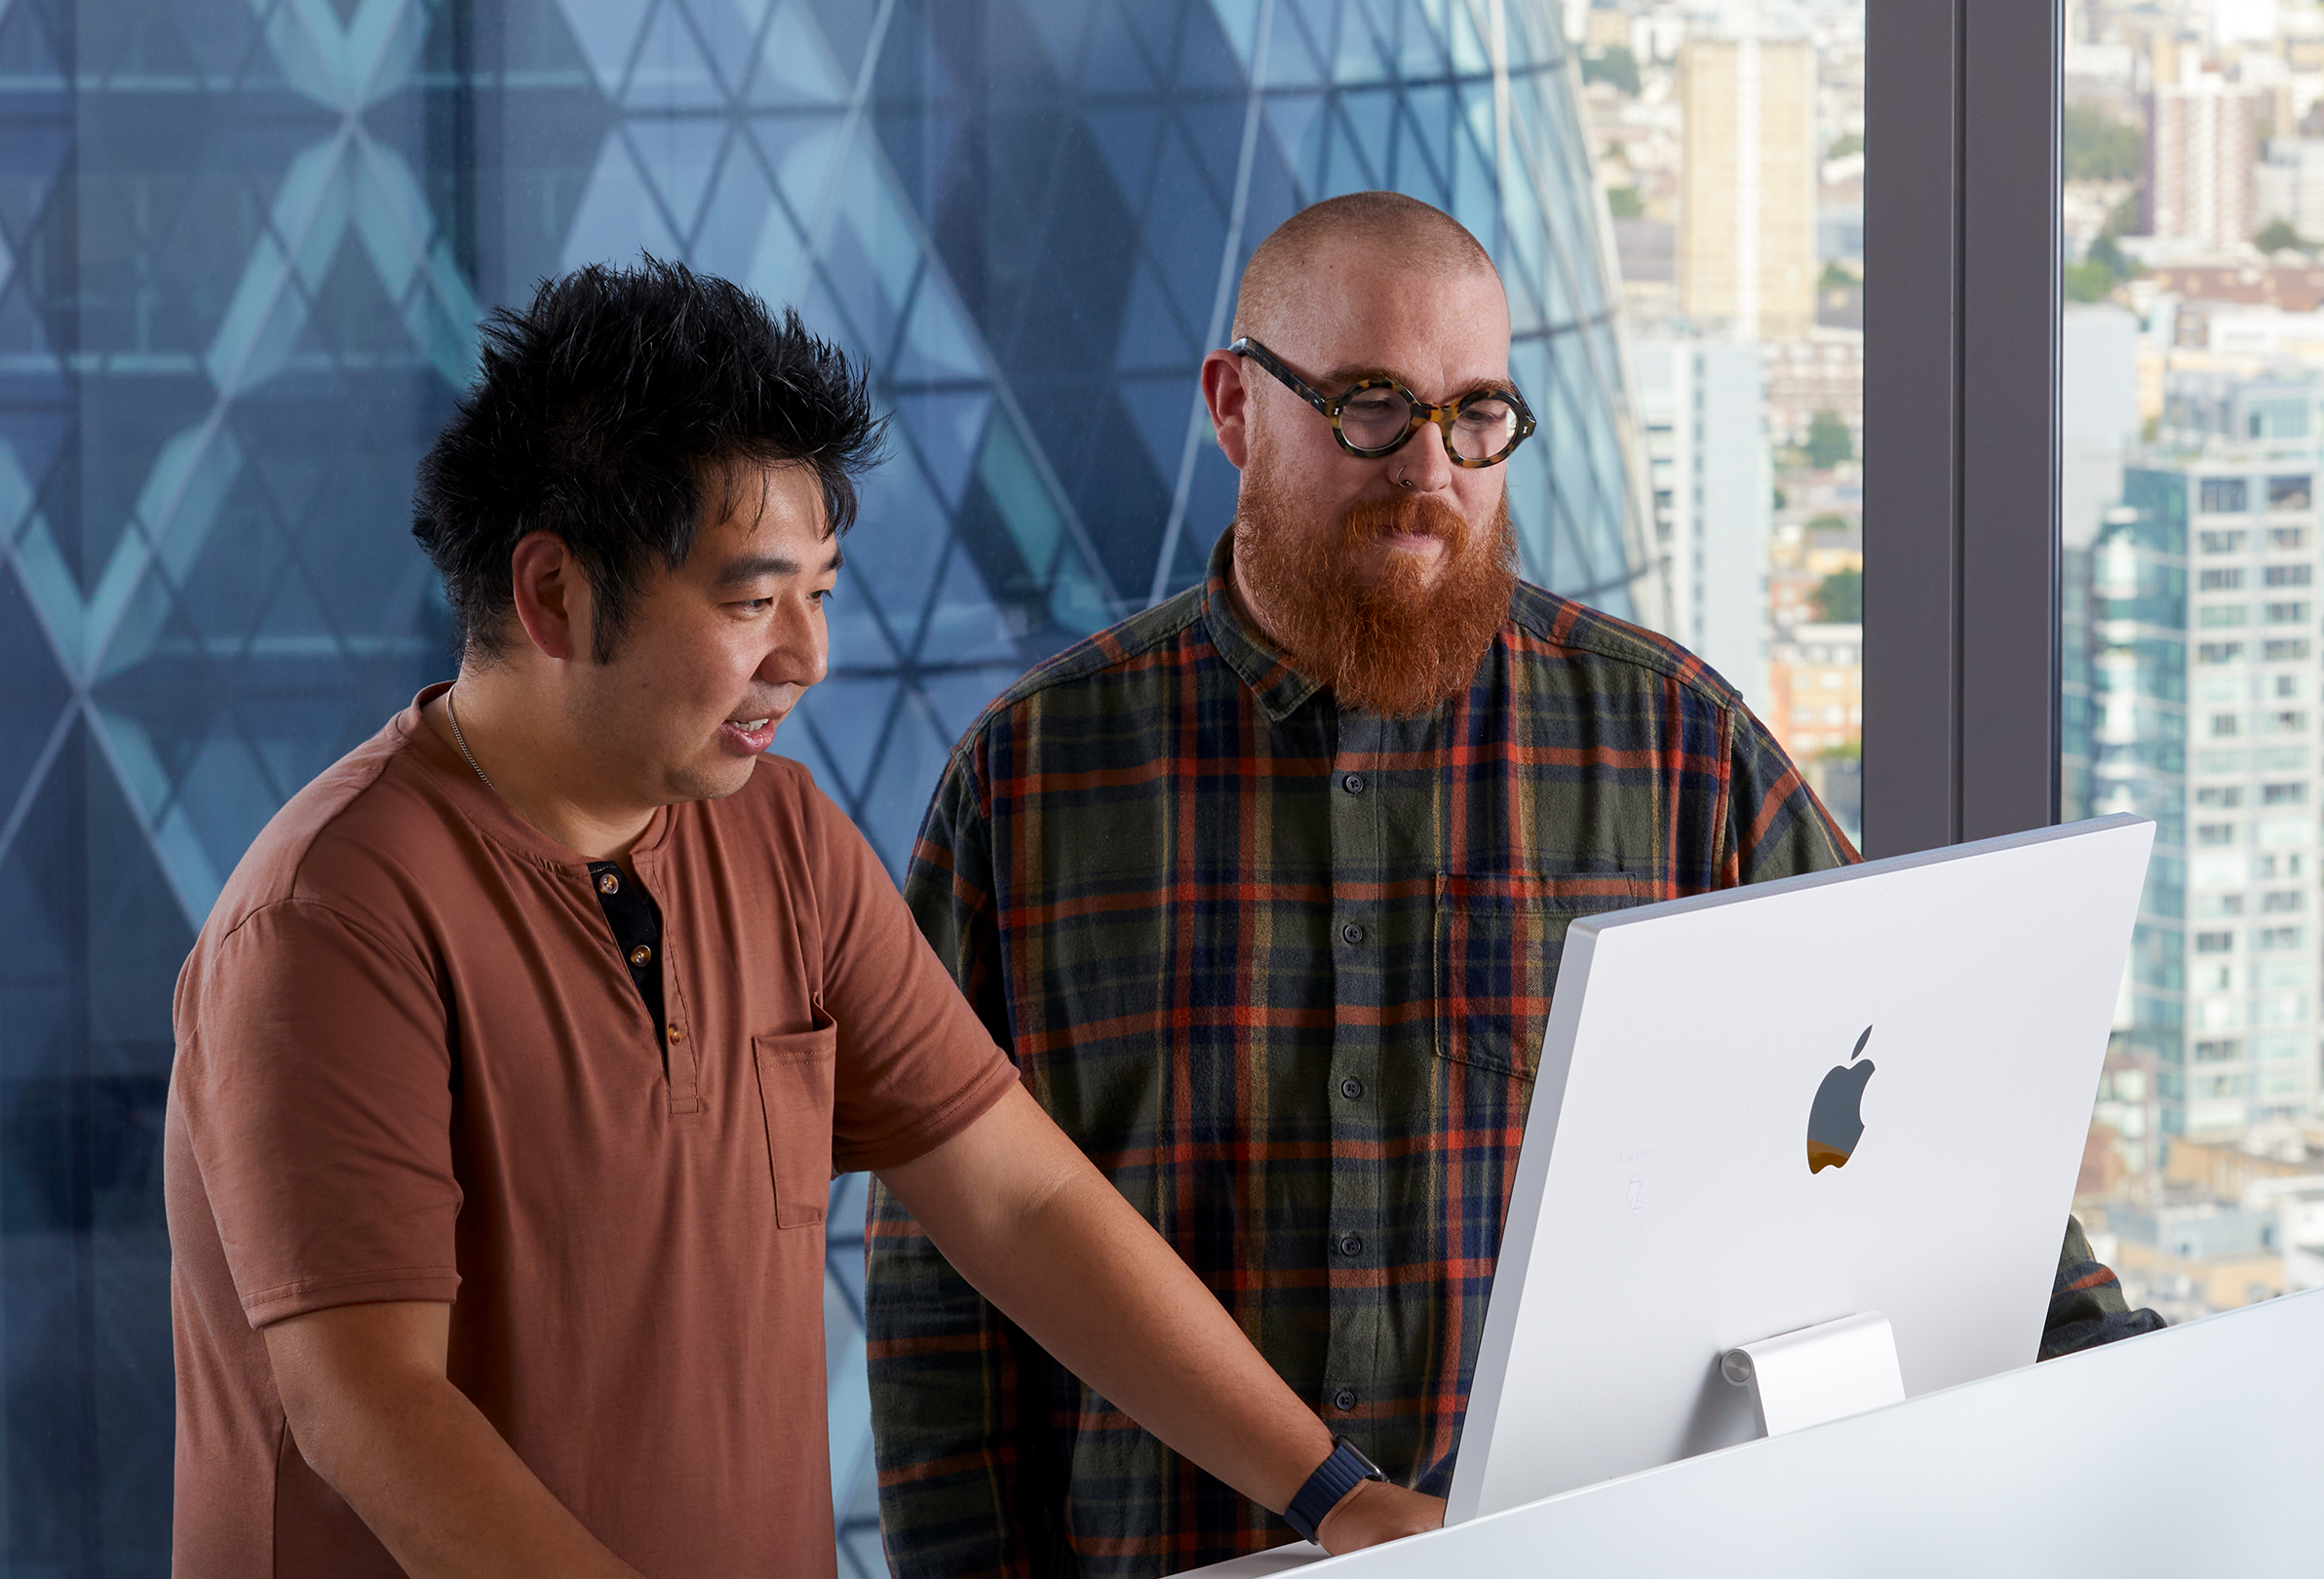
x,y
2194,1451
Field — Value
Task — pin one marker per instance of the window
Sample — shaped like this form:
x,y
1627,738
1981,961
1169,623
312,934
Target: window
x,y
2223,542
2216,834
2214,615
2278,937
2224,496
2290,575
2287,537
2288,492
2219,795
2214,943
2285,650
2220,652
2226,1049
2283,794
2287,614
2227,580
2281,901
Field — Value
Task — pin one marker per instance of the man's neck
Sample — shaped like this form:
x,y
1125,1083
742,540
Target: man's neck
x,y
527,760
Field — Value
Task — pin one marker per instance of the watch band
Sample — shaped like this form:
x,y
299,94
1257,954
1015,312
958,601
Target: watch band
x,y
1334,1479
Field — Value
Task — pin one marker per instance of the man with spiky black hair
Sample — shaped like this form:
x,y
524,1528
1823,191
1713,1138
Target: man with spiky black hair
x,y
517,1054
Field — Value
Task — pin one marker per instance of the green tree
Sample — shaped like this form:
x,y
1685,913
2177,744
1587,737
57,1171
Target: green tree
x,y
1847,143
1828,441
1838,598
2278,236
1622,202
1613,64
2089,281
1836,278
2100,148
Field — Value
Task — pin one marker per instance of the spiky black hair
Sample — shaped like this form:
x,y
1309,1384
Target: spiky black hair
x,y
608,412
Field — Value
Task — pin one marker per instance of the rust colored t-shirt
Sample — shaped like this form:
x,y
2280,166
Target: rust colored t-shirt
x,y
411,1064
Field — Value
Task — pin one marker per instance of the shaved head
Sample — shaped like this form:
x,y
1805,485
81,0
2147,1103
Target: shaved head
x,y
1281,272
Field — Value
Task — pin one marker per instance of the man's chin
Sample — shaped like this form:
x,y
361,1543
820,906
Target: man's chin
x,y
712,780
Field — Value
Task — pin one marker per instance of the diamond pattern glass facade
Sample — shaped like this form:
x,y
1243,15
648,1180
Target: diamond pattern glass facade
x,y
243,249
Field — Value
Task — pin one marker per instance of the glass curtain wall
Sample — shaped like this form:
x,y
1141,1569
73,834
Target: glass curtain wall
x,y
2193,393
1732,155
243,250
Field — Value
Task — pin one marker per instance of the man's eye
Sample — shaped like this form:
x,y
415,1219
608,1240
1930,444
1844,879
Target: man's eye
x,y
824,595
758,605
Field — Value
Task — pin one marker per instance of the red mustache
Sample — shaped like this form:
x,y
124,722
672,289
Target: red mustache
x,y
1413,515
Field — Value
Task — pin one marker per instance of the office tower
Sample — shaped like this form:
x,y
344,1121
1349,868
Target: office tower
x,y
2200,149
2204,691
1700,403
2289,184
1025,221
1747,209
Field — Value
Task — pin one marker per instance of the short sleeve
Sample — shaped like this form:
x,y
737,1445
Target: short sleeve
x,y
916,1064
314,1077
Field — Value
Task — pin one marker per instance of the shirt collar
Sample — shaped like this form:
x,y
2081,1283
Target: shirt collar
x,y
1276,682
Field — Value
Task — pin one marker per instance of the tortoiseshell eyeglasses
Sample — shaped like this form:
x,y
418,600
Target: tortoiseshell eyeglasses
x,y
1374,417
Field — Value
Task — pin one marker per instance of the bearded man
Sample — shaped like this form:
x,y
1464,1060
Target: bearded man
x,y
1264,890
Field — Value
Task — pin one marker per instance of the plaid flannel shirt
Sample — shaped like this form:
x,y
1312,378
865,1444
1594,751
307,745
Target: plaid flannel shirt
x,y
1281,969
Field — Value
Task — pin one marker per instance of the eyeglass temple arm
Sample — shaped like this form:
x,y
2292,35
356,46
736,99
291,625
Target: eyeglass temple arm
x,y
1247,347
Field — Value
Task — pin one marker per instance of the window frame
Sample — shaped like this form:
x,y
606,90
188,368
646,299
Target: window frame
x,y
1962,613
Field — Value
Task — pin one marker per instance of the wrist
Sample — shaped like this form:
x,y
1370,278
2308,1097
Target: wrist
x,y
1328,1487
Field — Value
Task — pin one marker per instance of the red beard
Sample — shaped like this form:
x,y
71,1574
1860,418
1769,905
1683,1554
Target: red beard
x,y
1397,645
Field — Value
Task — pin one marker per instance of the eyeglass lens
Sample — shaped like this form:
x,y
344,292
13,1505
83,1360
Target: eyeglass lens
x,y
1374,418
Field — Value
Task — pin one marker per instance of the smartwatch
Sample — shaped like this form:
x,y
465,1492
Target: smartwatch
x,y
1334,1479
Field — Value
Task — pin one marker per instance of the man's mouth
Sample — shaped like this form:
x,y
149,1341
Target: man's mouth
x,y
749,736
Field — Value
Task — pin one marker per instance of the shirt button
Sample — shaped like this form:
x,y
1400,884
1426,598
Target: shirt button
x,y
1351,1244
609,884
676,1035
1344,1399
1353,784
1351,1088
640,954
1352,933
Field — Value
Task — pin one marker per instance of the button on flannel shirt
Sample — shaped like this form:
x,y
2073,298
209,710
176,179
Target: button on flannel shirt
x,y
1281,969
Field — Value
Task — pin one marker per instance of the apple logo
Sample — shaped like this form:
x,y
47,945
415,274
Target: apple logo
x,y
1836,1123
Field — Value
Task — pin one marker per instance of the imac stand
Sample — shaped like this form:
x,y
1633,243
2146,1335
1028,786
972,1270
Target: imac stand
x,y
1818,1374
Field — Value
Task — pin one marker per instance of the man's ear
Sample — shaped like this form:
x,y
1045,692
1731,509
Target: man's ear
x,y
552,595
1229,400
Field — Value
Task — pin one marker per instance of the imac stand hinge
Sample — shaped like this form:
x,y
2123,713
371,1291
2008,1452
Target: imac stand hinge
x,y
1818,1374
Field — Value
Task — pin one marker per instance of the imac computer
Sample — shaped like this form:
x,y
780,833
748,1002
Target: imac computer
x,y
1851,1106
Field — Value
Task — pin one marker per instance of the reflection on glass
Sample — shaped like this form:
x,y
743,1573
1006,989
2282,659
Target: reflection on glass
x,y
2193,374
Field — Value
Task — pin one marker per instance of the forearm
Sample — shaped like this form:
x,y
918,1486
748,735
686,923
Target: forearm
x,y
1088,1281
418,1463
447,1495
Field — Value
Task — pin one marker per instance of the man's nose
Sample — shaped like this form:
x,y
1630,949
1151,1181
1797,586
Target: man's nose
x,y
802,649
1423,465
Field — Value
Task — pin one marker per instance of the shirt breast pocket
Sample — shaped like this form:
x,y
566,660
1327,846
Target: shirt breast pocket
x,y
796,1071
1499,942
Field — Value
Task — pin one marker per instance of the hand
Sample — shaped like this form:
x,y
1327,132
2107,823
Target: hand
x,y
1378,1511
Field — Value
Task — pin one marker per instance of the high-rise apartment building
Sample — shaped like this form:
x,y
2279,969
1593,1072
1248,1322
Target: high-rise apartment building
x,y
1747,210
2203,143
1701,405
2203,625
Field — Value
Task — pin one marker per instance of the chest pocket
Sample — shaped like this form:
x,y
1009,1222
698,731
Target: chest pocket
x,y
1499,942
796,1074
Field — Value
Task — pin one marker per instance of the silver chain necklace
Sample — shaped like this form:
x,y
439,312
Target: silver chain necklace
x,y
460,739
